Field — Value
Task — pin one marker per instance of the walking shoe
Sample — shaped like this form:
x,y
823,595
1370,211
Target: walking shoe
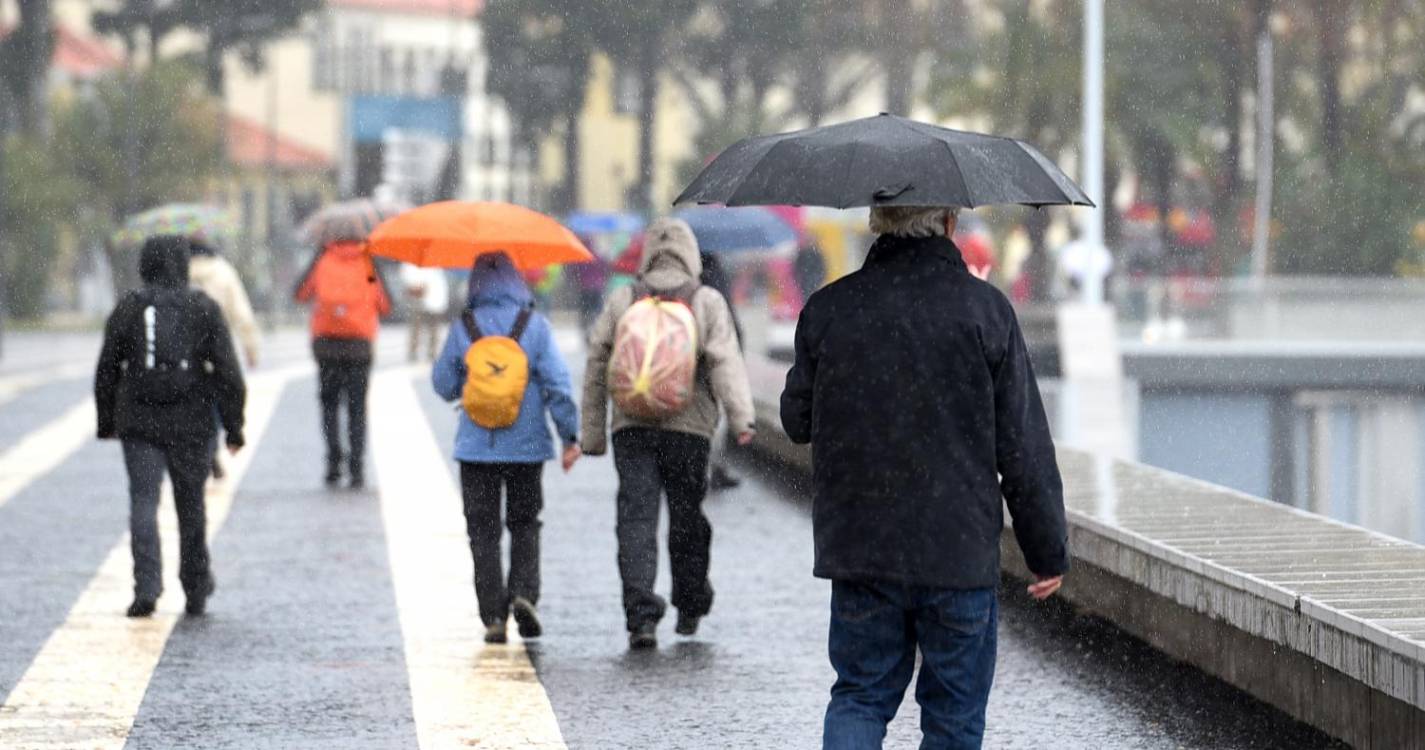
x,y
687,624
197,602
357,482
643,637
332,477
142,608
495,634
722,479
526,618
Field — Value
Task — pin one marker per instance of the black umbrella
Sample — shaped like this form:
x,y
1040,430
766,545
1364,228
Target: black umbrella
x,y
882,161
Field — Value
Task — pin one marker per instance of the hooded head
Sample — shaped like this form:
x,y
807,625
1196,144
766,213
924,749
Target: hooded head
x,y
494,280
670,255
163,261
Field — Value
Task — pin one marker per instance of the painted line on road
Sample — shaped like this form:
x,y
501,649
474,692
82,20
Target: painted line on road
x,y
39,452
12,386
86,685
463,692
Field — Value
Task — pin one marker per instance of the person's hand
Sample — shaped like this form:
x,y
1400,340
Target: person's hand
x,y
746,437
1043,588
571,455
252,360
234,449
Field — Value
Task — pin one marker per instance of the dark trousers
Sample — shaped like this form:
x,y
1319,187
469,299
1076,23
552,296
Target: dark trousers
x,y
651,462
341,381
187,467
480,485
875,631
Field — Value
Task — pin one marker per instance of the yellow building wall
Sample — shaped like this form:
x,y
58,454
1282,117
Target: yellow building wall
x,y
609,145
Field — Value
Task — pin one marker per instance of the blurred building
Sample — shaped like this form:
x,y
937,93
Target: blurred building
x,y
394,90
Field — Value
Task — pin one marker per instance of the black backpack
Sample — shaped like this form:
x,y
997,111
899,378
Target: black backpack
x,y
164,367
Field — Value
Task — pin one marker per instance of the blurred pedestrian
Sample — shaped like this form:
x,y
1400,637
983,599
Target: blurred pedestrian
x,y
912,383
213,275
428,291
591,279
166,360
505,451
720,477
667,451
348,299
809,269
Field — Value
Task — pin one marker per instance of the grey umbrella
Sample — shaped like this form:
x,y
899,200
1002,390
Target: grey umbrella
x,y
882,161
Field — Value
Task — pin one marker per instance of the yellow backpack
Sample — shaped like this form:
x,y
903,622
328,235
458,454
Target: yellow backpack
x,y
496,373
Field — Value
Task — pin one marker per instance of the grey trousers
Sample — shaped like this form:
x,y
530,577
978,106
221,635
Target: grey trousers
x,y
187,466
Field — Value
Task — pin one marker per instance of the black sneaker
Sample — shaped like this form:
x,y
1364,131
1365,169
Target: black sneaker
x,y
643,637
495,634
687,624
357,482
332,477
526,618
722,479
197,603
142,608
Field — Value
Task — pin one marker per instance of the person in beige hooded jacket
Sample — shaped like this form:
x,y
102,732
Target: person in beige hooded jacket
x,y
672,455
216,277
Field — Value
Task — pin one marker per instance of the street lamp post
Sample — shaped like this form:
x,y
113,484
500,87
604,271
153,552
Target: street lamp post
x,y
1092,169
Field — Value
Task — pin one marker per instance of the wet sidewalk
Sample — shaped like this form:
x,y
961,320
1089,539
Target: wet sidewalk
x,y
311,640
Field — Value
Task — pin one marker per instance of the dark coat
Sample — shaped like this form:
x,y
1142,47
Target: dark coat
x,y
164,268
913,385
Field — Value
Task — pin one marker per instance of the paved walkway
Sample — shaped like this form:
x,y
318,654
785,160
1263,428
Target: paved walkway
x,y
346,620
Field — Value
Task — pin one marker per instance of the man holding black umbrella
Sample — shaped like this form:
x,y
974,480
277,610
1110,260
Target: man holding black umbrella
x,y
907,517
913,385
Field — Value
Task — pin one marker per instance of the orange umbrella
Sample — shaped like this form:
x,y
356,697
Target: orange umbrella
x,y
452,233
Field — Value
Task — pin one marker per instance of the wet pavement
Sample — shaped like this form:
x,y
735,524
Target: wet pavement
x,y
303,645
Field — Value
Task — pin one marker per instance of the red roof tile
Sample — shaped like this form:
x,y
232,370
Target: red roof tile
x,y
248,145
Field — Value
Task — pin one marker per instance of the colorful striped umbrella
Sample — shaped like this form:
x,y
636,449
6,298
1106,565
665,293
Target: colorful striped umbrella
x,y
208,224
348,221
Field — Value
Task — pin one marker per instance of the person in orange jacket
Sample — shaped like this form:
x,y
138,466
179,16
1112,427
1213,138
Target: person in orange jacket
x,y
348,298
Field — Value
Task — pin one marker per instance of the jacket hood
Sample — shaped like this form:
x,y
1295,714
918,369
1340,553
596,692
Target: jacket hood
x,y
495,280
670,255
163,261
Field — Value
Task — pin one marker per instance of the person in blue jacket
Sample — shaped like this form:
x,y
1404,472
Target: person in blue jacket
x,y
511,458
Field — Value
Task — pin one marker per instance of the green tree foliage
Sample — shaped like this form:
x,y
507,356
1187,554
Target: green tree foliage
x,y
243,25
1181,79
539,55
40,200
139,140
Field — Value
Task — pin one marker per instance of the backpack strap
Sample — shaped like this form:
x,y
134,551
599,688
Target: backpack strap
x,y
472,329
521,322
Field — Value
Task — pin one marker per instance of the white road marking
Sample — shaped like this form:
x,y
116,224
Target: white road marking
x,y
86,685
13,385
42,450
463,693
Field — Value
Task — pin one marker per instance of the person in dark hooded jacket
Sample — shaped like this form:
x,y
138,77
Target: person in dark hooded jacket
x,y
166,363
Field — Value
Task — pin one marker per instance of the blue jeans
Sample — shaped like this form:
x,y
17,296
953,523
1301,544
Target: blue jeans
x,y
875,630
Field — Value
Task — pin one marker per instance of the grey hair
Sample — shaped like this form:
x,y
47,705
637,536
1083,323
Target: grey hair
x,y
911,221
